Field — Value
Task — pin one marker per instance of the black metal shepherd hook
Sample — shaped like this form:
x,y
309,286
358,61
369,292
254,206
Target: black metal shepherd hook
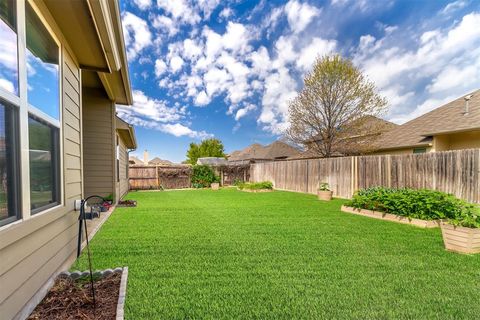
x,y
83,218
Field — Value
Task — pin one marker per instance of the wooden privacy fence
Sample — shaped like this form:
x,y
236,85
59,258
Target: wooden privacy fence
x,y
178,177
456,172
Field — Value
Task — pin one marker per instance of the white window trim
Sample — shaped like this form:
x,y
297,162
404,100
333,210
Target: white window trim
x,y
24,109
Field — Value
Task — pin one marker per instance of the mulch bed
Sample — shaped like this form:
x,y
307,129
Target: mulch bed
x,y
72,299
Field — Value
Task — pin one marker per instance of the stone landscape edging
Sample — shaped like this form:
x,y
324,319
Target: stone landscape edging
x,y
392,217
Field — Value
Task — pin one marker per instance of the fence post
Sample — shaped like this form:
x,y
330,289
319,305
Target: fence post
x,y
158,177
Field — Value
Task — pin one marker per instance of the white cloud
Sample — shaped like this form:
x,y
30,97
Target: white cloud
x,y
226,13
160,67
165,25
202,99
7,85
453,6
244,111
299,15
136,33
176,63
318,47
179,130
444,65
143,4
180,10
156,114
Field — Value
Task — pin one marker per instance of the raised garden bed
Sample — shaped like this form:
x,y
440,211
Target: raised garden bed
x,y
393,217
127,203
70,296
461,239
256,190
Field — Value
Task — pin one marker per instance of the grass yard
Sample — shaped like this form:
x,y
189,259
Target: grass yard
x,y
203,254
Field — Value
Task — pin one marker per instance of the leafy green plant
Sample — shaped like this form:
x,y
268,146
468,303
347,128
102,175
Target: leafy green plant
x,y
256,185
421,204
203,176
324,186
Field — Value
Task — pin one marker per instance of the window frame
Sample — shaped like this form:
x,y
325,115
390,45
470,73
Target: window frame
x,y
15,157
23,111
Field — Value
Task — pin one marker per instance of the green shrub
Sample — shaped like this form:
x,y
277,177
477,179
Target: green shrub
x,y
324,186
203,176
256,185
421,204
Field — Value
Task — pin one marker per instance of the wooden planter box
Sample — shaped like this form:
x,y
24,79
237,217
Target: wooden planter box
x,y
461,239
393,217
324,195
215,186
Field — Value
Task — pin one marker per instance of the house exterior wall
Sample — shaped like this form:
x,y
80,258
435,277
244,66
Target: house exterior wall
x,y
456,141
123,170
34,249
99,142
399,151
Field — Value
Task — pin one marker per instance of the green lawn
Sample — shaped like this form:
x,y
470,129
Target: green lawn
x,y
229,254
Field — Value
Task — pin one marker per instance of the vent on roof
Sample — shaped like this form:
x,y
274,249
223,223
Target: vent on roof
x,y
467,102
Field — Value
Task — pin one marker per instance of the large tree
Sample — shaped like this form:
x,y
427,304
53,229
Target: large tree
x,y
334,106
207,148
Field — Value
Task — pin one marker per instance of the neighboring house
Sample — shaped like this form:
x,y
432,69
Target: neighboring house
x,y
132,160
453,126
60,134
125,142
357,138
256,152
212,161
160,162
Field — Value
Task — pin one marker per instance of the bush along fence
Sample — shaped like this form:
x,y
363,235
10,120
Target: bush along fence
x,y
179,177
455,172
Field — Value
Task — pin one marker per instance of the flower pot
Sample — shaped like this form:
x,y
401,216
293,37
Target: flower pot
x,y
325,195
215,186
461,239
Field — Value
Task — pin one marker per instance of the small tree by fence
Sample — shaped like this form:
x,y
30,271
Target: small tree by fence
x,y
178,177
456,172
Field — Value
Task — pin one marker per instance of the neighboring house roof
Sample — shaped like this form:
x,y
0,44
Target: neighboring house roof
x,y
212,161
134,160
275,150
160,162
93,30
126,132
448,118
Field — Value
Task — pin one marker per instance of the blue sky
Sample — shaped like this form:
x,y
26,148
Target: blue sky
x,y
211,68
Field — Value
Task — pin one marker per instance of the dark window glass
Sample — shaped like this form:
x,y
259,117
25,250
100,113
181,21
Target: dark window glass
x,y
8,46
419,150
44,168
42,66
9,194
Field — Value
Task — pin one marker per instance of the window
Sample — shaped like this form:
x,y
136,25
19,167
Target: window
x,y
8,47
9,191
42,66
30,112
419,150
44,168
42,58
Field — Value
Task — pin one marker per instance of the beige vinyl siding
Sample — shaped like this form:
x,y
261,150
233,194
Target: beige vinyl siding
x,y
32,251
123,189
98,139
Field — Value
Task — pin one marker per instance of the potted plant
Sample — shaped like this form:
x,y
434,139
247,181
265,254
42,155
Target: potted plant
x,y
462,232
215,185
324,192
